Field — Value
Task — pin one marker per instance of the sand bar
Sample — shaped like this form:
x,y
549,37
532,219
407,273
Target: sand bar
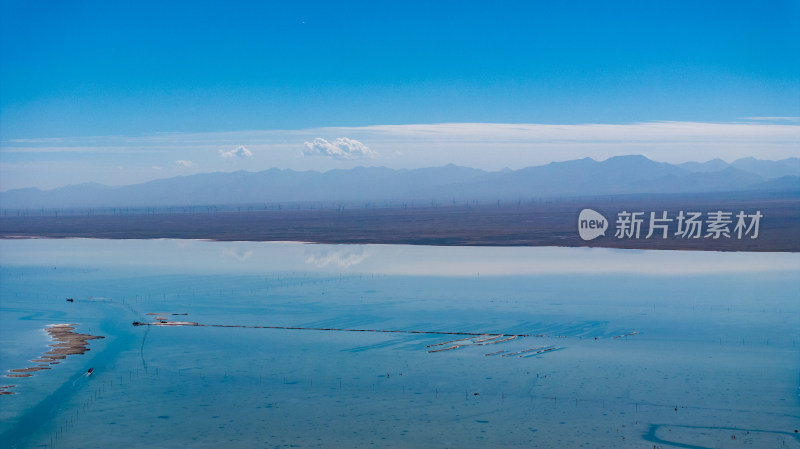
x,y
66,342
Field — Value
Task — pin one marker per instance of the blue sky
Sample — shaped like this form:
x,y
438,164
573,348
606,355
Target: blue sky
x,y
78,78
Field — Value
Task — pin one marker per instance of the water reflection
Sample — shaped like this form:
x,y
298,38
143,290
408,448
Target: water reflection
x,y
255,257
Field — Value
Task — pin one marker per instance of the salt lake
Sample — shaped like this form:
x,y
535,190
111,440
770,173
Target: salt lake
x,y
305,345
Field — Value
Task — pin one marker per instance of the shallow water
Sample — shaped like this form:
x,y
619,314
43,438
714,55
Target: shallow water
x,y
707,346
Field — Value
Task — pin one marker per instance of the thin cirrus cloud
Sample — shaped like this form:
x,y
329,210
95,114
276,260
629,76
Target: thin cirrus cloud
x,y
774,119
783,137
341,148
647,132
239,152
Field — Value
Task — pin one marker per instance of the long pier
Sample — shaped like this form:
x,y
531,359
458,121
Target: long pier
x,y
393,331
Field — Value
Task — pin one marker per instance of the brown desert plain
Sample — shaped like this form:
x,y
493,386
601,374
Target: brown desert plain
x,y
511,223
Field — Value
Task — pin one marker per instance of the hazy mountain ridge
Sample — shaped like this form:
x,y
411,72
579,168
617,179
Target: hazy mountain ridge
x,y
616,175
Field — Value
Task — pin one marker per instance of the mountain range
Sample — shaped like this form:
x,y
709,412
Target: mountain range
x,y
633,174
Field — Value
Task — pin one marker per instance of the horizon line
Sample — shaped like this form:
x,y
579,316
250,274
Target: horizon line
x,y
505,169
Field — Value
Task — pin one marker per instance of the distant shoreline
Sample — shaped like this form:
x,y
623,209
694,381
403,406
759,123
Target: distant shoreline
x,y
531,224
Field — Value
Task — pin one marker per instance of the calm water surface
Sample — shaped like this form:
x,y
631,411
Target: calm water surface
x,y
619,348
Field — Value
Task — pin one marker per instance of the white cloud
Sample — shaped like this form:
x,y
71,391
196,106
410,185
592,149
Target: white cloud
x,y
342,257
341,148
157,167
184,164
239,152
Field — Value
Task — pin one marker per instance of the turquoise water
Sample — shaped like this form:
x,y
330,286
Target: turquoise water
x,y
707,348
